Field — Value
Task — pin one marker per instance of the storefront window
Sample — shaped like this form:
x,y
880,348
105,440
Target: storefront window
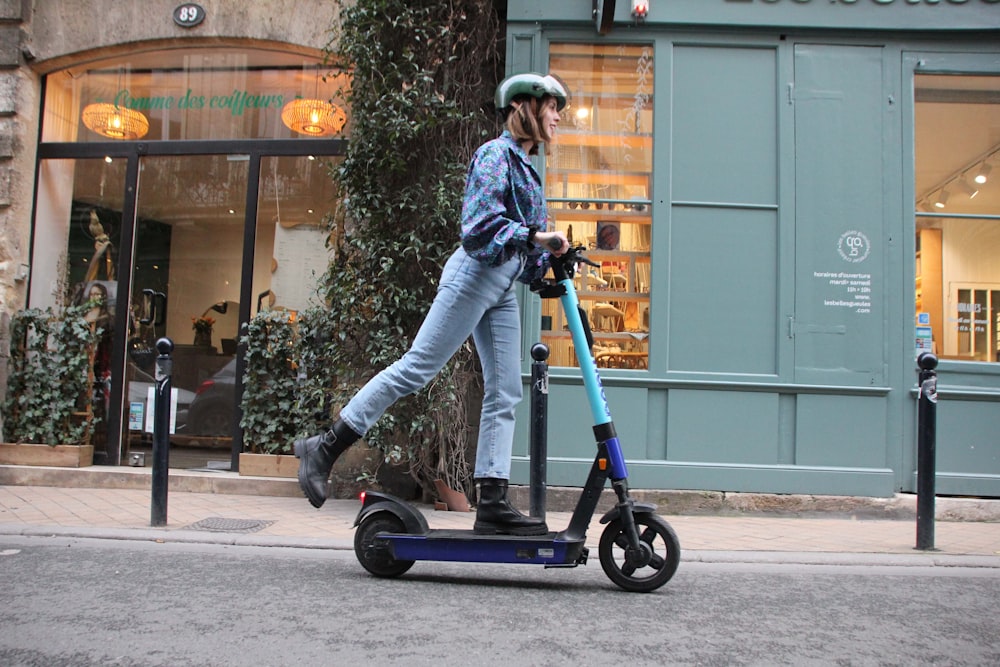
x,y
958,216
598,176
194,95
292,251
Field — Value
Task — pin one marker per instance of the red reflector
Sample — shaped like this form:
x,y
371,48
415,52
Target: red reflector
x,y
602,464
361,497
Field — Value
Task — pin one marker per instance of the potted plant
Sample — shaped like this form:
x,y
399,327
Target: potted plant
x,y
48,415
286,395
269,421
202,327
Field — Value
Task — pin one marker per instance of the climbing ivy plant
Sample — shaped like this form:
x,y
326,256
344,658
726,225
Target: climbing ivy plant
x,y
49,382
270,421
423,73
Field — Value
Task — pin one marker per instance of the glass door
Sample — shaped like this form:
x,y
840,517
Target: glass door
x,y
187,267
80,203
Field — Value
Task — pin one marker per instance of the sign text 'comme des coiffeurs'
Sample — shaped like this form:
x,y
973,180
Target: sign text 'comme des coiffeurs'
x,y
237,102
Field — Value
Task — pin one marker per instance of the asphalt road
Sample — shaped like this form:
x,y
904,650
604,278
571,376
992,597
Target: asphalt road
x,y
80,602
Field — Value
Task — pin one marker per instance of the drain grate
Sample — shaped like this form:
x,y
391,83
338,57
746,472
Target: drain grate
x,y
219,524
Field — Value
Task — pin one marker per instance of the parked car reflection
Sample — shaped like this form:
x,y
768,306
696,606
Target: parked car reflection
x,y
212,410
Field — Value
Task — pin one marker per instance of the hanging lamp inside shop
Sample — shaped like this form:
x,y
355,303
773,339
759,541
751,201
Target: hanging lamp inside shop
x,y
317,118
314,117
113,121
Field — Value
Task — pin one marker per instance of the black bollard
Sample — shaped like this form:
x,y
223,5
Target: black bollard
x,y
926,455
539,435
161,432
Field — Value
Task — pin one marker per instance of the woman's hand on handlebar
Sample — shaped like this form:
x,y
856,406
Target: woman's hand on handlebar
x,y
553,241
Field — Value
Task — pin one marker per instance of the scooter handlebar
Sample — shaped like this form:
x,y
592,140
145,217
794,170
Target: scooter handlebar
x,y
564,266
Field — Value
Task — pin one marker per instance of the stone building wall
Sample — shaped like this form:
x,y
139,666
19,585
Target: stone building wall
x,y
19,88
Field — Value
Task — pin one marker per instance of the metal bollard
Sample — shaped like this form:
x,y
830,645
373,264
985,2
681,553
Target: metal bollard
x,y
161,432
539,434
926,455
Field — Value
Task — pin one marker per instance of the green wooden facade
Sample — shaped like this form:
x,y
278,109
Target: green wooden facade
x,y
783,133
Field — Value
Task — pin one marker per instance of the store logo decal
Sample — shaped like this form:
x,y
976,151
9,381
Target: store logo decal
x,y
854,246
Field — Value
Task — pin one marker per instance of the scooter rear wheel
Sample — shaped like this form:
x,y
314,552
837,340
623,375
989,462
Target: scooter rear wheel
x,y
640,572
375,557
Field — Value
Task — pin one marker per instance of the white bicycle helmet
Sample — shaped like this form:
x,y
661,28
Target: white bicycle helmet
x,y
532,84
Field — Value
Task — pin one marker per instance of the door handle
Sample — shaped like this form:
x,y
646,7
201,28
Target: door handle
x,y
154,307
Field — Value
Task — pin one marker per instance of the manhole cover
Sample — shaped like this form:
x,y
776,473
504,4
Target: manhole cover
x,y
222,525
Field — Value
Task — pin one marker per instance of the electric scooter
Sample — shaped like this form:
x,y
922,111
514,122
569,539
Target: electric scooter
x,y
638,550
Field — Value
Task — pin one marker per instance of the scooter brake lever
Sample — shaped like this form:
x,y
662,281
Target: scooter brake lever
x,y
577,255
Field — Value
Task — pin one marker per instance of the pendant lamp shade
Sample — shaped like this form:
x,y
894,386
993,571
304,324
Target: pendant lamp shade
x,y
316,118
115,122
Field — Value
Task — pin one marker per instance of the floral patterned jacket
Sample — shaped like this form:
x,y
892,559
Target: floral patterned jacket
x,y
503,200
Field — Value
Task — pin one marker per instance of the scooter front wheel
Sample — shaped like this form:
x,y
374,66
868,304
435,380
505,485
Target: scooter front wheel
x,y
649,567
374,555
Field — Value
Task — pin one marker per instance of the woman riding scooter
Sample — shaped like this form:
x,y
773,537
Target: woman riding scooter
x,y
503,235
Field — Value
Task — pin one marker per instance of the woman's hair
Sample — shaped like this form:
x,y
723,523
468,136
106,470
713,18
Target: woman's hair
x,y
100,288
524,121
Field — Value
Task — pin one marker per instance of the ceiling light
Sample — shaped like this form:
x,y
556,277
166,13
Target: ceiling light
x,y
115,122
983,173
942,199
317,118
313,116
964,186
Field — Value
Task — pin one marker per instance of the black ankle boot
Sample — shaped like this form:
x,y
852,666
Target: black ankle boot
x,y
495,515
316,458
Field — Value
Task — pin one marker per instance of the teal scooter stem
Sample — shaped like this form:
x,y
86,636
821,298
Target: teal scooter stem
x,y
583,342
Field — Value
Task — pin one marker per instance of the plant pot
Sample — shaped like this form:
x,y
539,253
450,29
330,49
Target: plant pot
x,y
203,338
61,456
268,465
453,501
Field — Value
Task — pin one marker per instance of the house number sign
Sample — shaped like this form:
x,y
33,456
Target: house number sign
x,y
188,15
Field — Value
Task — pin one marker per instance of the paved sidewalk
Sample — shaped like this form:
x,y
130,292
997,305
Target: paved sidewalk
x,y
117,513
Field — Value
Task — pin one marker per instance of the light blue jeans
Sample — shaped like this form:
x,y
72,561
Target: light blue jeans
x,y
476,299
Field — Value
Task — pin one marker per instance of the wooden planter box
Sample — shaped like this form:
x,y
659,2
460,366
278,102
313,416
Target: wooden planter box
x,y
268,465
61,456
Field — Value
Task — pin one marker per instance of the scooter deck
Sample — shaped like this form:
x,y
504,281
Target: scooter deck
x,y
464,545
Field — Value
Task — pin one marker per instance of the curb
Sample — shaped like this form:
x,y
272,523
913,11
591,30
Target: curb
x,y
167,536
840,559
180,536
